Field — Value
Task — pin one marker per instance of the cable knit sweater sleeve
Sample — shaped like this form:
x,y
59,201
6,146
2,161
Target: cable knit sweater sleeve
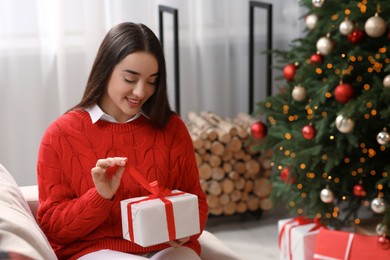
x,y
63,215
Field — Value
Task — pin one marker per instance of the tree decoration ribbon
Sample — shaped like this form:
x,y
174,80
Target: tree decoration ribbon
x,y
299,221
156,193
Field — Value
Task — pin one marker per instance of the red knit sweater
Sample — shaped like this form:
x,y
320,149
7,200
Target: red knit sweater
x,y
75,218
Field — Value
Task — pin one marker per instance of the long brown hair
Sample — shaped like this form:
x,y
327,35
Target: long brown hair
x,y
120,41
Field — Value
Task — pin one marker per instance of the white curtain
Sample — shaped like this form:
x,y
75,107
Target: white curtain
x,y
47,48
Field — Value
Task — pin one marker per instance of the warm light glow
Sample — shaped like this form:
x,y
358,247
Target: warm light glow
x,y
324,157
380,187
318,71
347,12
331,137
302,166
299,186
303,195
328,94
346,160
268,105
373,112
287,136
356,221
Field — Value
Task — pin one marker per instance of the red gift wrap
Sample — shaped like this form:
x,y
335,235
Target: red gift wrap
x,y
335,245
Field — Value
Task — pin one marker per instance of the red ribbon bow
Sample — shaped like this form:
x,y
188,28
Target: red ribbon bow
x,y
156,193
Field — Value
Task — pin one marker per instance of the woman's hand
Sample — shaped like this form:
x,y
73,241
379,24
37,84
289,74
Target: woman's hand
x,y
105,184
178,242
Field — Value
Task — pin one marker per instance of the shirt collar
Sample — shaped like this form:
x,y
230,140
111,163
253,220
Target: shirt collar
x,y
96,113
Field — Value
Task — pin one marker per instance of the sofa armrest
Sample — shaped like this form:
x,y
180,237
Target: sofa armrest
x,y
30,193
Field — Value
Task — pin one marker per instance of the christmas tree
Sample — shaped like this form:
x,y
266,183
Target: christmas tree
x,y
329,124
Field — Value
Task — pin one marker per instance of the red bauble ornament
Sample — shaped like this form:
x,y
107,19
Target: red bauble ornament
x,y
358,190
316,59
343,93
259,130
384,242
285,176
357,36
308,132
289,72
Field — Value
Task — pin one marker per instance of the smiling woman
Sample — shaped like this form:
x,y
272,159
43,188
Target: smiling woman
x,y
86,156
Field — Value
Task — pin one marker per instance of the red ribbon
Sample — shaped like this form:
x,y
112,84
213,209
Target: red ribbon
x,y
300,220
156,193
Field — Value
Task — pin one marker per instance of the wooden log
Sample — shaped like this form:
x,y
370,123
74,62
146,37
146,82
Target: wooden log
x,y
234,145
249,185
266,163
262,188
227,167
266,204
214,160
235,195
203,125
239,155
205,171
212,200
252,166
217,173
240,167
197,142
227,155
239,184
215,188
217,148
219,122
230,208
216,211
242,207
253,203
227,186
267,173
233,175
204,185
224,199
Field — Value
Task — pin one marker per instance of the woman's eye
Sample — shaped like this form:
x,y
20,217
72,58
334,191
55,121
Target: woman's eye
x,y
129,80
154,83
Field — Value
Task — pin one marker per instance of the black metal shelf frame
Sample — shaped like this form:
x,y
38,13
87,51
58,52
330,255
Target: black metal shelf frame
x,y
268,7
166,9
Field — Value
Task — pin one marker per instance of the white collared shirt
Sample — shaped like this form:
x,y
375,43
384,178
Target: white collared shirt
x,y
96,113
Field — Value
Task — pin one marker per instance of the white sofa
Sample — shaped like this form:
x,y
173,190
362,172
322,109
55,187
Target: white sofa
x,y
20,233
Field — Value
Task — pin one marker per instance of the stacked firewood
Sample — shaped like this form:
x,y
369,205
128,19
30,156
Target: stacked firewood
x,y
234,176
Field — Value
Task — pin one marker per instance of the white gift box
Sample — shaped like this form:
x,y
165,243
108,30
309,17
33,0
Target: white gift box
x,y
148,220
297,242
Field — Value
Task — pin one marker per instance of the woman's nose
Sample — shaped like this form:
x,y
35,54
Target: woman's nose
x,y
139,89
